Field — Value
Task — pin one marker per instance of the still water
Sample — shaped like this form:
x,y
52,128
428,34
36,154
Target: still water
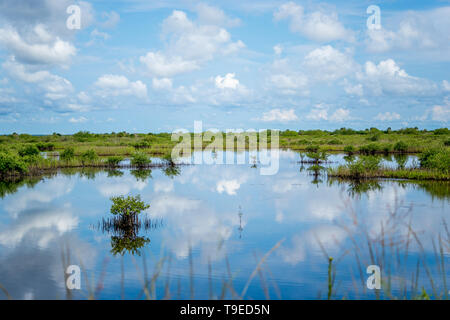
x,y
211,226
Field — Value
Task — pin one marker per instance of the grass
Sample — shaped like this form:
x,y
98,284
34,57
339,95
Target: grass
x,y
434,165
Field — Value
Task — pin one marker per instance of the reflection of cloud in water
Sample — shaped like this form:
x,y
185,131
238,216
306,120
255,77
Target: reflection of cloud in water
x,y
192,223
310,241
42,224
44,192
163,185
117,186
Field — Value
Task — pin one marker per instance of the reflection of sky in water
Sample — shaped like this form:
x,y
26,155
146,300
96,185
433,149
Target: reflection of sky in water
x,y
199,209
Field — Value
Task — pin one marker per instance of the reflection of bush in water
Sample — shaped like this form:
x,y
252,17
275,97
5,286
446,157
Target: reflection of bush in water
x,y
142,175
132,245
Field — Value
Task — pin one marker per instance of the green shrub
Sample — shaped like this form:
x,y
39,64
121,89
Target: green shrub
x,y
45,146
442,131
334,142
364,164
89,157
312,148
447,143
375,137
369,149
68,154
140,160
401,147
387,148
12,164
349,150
114,161
30,150
438,159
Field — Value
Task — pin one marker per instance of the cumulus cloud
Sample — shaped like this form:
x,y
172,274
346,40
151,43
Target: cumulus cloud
x,y
210,15
227,82
54,86
163,83
387,116
278,115
159,64
41,48
320,113
189,44
416,30
328,64
387,77
116,85
318,25
78,120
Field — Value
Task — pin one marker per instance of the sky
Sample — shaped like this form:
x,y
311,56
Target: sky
x,y
158,66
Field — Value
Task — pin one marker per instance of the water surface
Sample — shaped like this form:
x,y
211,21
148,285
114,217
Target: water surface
x,y
212,225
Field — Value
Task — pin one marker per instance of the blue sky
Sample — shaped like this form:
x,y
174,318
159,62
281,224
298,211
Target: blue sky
x,y
151,66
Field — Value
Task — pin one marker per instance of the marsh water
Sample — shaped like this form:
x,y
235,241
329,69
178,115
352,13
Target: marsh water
x,y
211,226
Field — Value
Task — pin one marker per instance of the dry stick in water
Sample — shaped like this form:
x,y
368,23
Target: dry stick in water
x,y
259,266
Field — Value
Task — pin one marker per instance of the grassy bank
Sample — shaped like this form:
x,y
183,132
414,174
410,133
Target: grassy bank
x,y
20,153
434,164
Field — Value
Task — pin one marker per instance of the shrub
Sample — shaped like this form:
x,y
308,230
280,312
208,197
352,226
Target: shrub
x,y
387,148
312,148
12,164
442,131
334,141
447,143
364,164
369,149
68,154
89,156
45,146
140,159
375,137
438,159
401,147
141,144
30,150
349,150
114,161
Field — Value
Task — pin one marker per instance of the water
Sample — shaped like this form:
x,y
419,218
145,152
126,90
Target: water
x,y
206,217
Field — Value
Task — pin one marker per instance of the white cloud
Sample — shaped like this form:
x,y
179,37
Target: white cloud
x,y
278,49
54,86
41,48
189,44
388,78
210,15
317,25
328,64
163,83
416,30
111,19
446,85
159,64
441,113
227,82
78,120
387,116
318,112
278,115
340,115
116,85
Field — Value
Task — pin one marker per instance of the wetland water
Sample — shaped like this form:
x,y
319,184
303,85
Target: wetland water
x,y
210,225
